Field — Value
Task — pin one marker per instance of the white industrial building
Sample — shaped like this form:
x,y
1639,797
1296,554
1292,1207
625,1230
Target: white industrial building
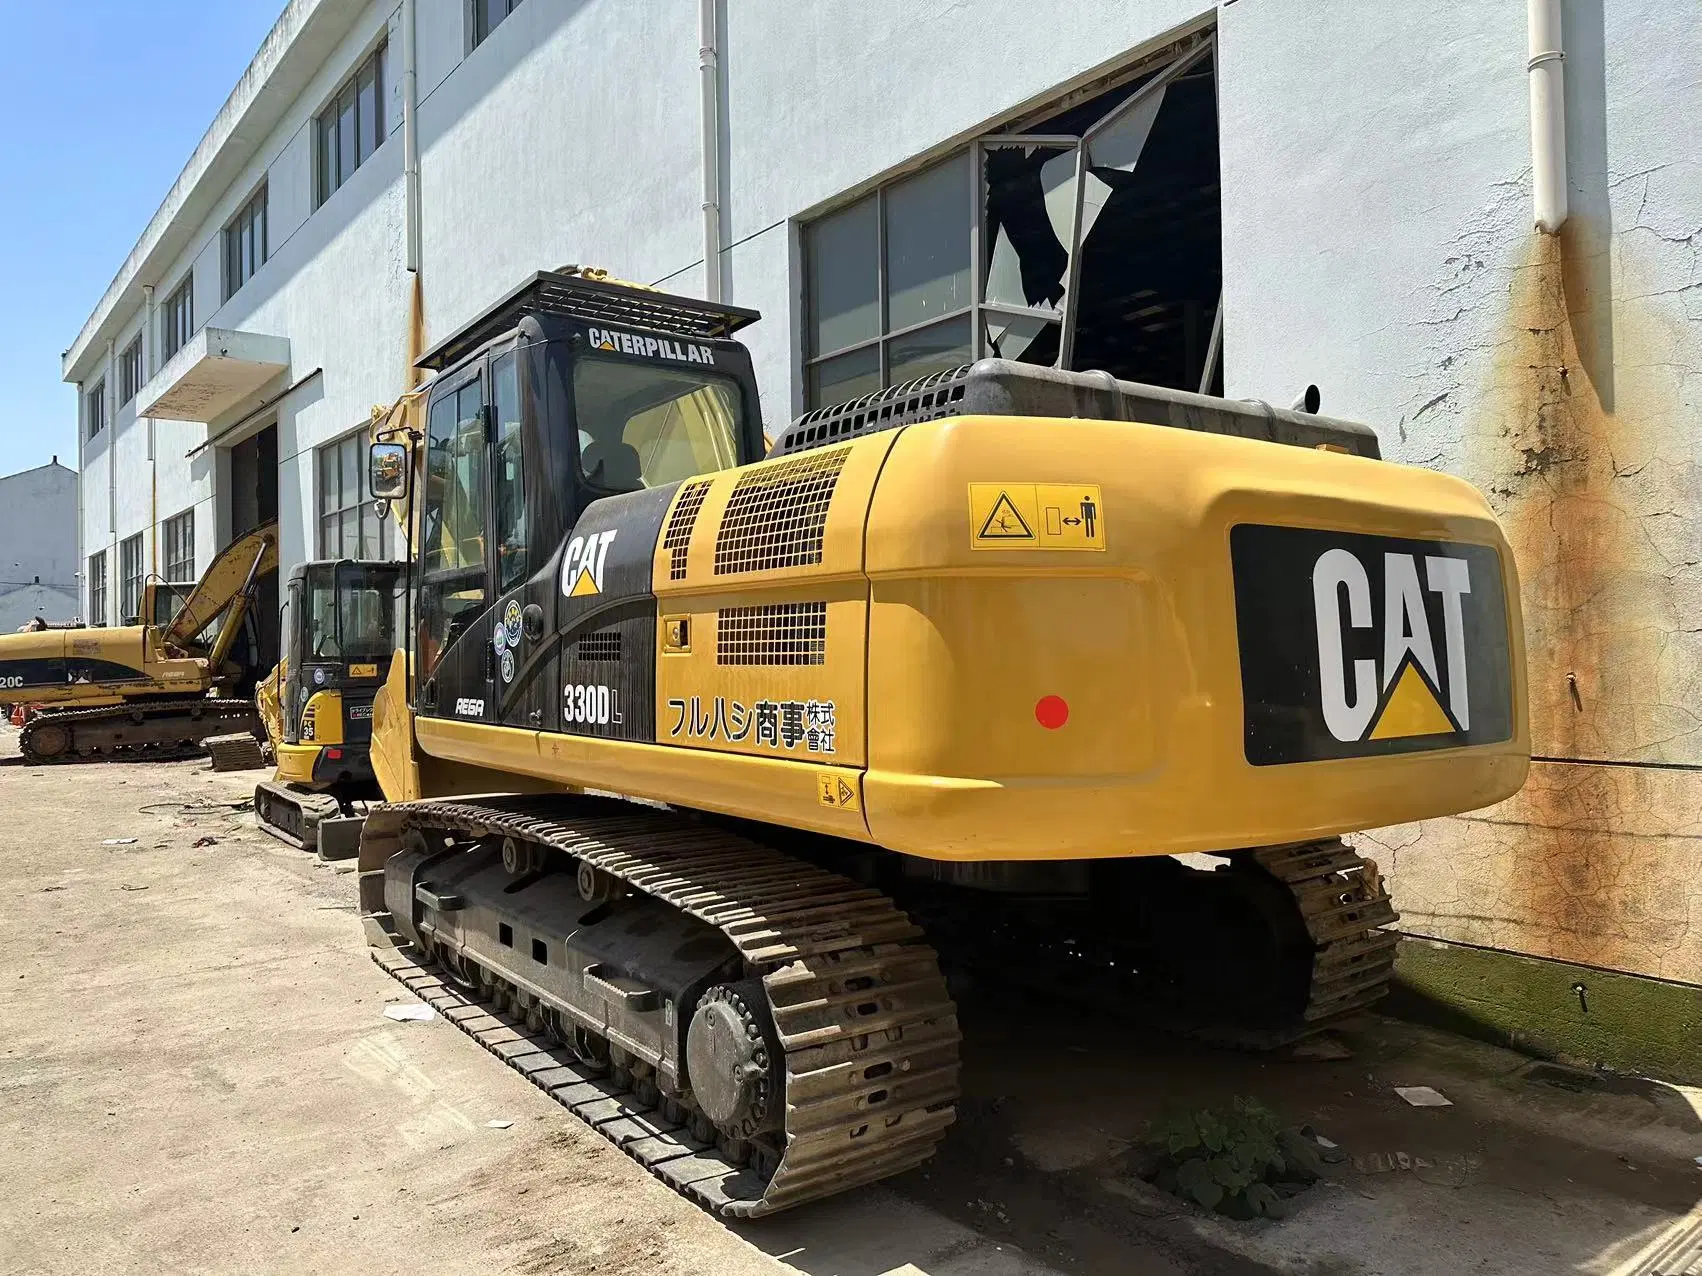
x,y
1358,183
38,546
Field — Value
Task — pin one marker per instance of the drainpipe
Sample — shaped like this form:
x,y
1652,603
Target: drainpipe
x,y
108,398
410,133
153,462
709,77
1547,72
82,572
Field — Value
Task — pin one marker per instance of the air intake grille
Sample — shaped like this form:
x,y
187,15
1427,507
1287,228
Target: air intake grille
x,y
776,515
677,540
602,646
924,399
771,634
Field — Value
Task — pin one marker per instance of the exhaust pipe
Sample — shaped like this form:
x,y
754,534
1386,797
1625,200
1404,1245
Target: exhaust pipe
x,y
1308,401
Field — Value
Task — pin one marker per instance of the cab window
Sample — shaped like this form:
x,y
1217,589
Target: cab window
x,y
452,535
644,425
510,481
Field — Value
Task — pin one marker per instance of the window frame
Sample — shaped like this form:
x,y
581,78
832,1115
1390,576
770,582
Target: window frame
x,y
96,409
177,318
1161,68
251,218
178,535
477,36
328,174
325,519
97,590
130,583
130,372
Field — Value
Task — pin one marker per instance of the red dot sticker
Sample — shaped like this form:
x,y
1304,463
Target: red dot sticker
x,y
1052,712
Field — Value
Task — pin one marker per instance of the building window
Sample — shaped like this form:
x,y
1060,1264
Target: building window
x,y
130,371
245,243
130,580
177,317
179,535
97,408
351,128
487,14
1086,236
97,588
349,526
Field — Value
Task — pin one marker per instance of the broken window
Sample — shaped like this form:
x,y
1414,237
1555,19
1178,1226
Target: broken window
x,y
1092,237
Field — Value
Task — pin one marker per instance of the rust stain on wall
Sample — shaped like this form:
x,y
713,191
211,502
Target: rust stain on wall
x,y
1553,454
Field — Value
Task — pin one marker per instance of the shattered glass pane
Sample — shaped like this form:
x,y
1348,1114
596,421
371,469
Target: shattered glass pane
x,y
845,303
927,244
1025,338
1030,192
934,349
1113,154
849,376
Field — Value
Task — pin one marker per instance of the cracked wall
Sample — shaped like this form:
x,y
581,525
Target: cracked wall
x,y
1562,375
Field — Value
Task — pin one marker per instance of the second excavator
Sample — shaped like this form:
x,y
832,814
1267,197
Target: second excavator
x,y
185,672
973,666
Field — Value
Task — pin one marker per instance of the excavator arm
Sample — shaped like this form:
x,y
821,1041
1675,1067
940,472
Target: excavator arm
x,y
227,585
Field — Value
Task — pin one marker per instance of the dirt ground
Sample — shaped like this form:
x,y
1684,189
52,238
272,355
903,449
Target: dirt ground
x,y
196,1076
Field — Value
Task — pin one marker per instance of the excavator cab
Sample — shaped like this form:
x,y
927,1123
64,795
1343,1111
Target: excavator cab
x,y
342,620
568,392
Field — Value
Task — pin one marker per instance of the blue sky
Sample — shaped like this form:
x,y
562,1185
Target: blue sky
x,y
108,97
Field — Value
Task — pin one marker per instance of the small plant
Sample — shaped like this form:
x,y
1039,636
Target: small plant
x,y
1232,1162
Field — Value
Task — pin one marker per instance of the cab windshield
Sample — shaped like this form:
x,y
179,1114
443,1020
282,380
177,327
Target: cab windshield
x,y
349,615
645,425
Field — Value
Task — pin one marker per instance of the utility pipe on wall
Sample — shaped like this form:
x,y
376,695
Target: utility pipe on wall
x,y
410,134
153,457
1547,73
709,79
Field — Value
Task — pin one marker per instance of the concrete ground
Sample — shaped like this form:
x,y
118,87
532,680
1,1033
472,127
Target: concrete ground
x,y
196,1075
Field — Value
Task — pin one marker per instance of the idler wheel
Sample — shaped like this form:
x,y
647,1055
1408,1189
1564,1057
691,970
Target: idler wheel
x,y
733,1059
48,740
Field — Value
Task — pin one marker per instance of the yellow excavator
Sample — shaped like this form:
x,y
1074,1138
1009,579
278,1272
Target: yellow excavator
x,y
185,673
340,626
971,667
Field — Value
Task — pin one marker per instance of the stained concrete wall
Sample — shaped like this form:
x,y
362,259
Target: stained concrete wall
x,y
1378,241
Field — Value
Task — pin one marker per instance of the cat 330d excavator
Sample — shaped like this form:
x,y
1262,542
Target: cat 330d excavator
x,y
184,673
339,629
958,668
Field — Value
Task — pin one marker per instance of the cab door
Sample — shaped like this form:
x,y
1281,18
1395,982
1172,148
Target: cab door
x,y
455,653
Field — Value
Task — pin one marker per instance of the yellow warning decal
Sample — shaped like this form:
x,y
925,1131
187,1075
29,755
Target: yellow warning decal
x,y
1036,516
1412,708
834,790
363,671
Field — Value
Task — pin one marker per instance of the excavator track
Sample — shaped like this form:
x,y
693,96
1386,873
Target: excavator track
x,y
292,814
867,1033
121,732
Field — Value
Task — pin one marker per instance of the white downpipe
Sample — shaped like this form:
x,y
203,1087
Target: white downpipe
x,y
410,133
709,78
1547,71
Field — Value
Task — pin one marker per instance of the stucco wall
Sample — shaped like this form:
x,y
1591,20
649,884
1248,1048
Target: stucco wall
x,y
1386,252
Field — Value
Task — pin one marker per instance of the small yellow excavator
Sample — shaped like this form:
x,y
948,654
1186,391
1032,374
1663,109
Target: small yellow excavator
x,y
971,667
184,674
342,619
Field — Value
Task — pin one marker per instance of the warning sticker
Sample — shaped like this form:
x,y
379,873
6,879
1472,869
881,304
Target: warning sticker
x,y
1036,516
836,791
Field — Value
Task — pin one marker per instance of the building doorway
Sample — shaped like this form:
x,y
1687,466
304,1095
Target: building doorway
x,y
253,500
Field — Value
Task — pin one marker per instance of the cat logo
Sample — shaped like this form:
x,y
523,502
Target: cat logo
x,y
1409,698
650,347
1356,645
582,564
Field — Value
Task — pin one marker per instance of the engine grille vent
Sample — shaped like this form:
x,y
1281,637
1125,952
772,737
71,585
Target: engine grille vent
x,y
771,634
924,399
677,539
602,646
777,515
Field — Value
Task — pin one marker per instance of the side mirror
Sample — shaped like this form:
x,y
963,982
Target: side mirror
x,y
387,471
